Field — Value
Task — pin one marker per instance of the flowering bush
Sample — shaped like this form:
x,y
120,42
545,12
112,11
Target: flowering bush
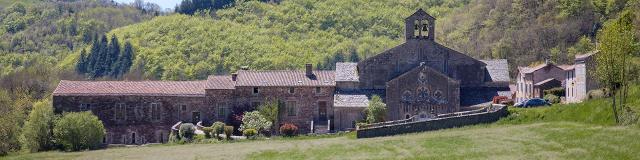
x,y
289,130
254,120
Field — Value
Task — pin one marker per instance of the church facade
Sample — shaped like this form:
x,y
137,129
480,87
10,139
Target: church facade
x,y
419,78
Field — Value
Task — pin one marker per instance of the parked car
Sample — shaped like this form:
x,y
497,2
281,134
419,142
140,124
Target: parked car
x,y
533,103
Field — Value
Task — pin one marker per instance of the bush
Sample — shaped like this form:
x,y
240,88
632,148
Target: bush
x,y
596,94
218,128
289,130
498,99
173,137
255,120
186,131
376,111
207,132
250,133
553,99
79,130
558,91
228,131
36,135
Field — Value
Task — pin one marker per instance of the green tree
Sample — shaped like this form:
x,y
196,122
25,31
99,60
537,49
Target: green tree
x,y
9,129
617,45
270,110
81,65
37,131
377,110
113,55
79,130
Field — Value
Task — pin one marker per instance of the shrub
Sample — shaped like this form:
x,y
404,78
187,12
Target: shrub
x,y
186,131
250,133
79,130
553,99
228,131
36,134
376,111
289,130
558,91
207,132
498,99
173,137
254,120
596,94
218,128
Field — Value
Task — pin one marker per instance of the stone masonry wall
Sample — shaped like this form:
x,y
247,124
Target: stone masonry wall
x,y
139,122
437,124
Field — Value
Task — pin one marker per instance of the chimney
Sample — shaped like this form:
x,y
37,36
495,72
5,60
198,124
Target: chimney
x,y
309,69
244,68
234,76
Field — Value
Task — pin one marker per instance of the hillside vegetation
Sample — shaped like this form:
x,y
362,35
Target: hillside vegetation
x,y
294,32
271,36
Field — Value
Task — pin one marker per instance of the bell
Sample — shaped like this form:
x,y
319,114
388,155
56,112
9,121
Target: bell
x,y
416,26
424,27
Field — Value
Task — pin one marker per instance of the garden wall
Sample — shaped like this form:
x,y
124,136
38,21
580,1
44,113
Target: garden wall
x,y
436,124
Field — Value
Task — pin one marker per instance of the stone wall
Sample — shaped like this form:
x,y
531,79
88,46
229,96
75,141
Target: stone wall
x,y
306,99
374,72
420,92
430,125
136,118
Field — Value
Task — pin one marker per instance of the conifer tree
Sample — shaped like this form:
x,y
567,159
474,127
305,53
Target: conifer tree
x,y
113,56
82,62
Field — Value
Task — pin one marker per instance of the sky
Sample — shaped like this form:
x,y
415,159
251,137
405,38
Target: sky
x,y
163,3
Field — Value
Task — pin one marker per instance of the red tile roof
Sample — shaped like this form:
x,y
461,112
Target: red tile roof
x,y
125,88
220,82
285,78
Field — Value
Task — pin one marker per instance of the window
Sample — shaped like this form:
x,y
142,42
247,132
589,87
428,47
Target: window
x,y
155,111
291,108
292,90
183,107
318,90
120,112
85,106
256,90
221,111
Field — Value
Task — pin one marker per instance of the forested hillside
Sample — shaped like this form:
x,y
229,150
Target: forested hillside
x,y
270,36
288,34
36,39
41,43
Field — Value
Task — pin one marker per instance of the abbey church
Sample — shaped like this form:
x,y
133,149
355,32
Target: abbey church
x,y
419,78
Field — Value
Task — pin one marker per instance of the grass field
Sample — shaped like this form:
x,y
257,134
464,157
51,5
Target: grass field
x,y
548,140
572,131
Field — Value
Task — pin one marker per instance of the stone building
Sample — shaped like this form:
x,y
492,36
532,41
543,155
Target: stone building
x,y
580,78
419,78
576,79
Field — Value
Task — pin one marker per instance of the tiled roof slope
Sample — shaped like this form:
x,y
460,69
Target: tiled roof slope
x,y
346,72
285,78
355,98
498,69
220,82
127,88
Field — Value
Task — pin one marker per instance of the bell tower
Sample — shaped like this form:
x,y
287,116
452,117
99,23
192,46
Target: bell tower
x,y
420,25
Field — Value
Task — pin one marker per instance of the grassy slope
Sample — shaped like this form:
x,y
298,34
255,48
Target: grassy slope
x,y
554,140
572,131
